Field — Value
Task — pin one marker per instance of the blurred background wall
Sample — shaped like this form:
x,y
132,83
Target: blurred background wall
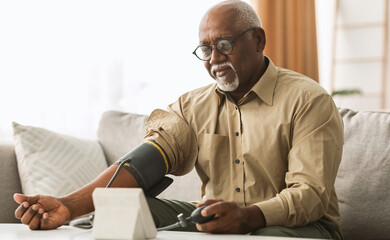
x,y
64,62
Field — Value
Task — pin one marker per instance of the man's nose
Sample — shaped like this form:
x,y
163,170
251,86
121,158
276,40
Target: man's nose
x,y
216,57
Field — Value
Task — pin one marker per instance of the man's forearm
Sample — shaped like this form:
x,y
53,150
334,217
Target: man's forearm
x,y
80,202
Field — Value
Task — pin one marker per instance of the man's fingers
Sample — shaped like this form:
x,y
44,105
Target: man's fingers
x,y
45,221
21,210
216,208
36,220
29,214
20,198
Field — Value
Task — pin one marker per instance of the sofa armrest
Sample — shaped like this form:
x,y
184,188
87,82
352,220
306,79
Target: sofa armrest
x,y
9,183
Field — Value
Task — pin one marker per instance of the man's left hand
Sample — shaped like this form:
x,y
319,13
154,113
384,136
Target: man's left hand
x,y
230,218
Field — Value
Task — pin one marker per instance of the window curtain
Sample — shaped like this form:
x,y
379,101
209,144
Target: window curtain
x,y
290,28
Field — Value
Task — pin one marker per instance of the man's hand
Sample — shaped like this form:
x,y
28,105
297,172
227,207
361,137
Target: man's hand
x,y
41,212
230,218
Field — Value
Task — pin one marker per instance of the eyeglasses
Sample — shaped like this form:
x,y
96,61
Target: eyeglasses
x,y
223,46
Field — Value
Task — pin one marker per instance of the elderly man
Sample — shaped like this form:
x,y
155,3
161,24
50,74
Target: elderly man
x,y
266,143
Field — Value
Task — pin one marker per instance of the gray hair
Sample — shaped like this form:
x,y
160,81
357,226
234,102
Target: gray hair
x,y
246,15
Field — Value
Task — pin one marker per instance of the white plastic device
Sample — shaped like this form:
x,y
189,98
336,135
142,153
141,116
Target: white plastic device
x,y
122,213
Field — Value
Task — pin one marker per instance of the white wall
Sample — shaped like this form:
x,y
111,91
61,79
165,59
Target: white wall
x,y
325,21
64,62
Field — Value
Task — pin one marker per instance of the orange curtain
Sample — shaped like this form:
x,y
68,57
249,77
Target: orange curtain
x,y
290,30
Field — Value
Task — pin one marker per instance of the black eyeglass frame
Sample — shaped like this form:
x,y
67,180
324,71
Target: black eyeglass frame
x,y
215,45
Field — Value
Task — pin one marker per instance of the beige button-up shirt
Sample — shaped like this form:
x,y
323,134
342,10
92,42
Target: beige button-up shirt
x,y
278,148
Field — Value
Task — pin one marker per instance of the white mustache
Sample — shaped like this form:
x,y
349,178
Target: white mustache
x,y
216,66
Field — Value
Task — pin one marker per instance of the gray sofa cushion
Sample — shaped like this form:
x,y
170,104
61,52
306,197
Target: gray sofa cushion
x,y
9,183
363,180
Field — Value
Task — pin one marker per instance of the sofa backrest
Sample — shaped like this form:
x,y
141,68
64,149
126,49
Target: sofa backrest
x,y
363,180
362,183
120,132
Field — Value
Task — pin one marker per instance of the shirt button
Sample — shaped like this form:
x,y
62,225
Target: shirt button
x,y
238,189
236,107
237,134
237,161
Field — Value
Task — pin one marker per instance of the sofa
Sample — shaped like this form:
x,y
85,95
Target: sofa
x,y
362,183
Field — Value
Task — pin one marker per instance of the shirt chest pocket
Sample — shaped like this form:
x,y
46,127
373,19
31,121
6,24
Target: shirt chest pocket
x,y
214,154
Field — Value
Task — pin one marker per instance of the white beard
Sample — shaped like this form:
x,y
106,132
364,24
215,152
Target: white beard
x,y
226,86
221,81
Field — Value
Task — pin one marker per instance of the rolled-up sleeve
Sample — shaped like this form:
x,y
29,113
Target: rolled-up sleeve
x,y
313,161
170,130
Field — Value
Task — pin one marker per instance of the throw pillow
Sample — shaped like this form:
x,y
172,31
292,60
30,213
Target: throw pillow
x,y
55,164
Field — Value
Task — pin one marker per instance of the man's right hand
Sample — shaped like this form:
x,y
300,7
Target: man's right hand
x,y
46,212
41,212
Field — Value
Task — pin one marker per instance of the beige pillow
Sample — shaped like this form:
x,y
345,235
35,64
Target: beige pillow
x,y
55,164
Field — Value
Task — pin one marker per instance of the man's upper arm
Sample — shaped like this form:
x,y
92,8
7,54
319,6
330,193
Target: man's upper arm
x,y
172,132
313,162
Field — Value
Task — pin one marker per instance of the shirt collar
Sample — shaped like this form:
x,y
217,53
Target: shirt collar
x,y
264,88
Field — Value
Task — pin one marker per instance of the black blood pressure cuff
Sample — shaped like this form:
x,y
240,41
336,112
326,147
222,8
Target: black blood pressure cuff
x,y
148,163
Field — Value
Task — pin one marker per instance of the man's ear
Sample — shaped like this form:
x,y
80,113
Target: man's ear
x,y
260,39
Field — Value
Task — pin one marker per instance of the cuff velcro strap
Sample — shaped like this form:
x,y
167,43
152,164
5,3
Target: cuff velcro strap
x,y
148,163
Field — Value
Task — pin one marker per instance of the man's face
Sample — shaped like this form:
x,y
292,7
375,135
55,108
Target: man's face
x,y
232,72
